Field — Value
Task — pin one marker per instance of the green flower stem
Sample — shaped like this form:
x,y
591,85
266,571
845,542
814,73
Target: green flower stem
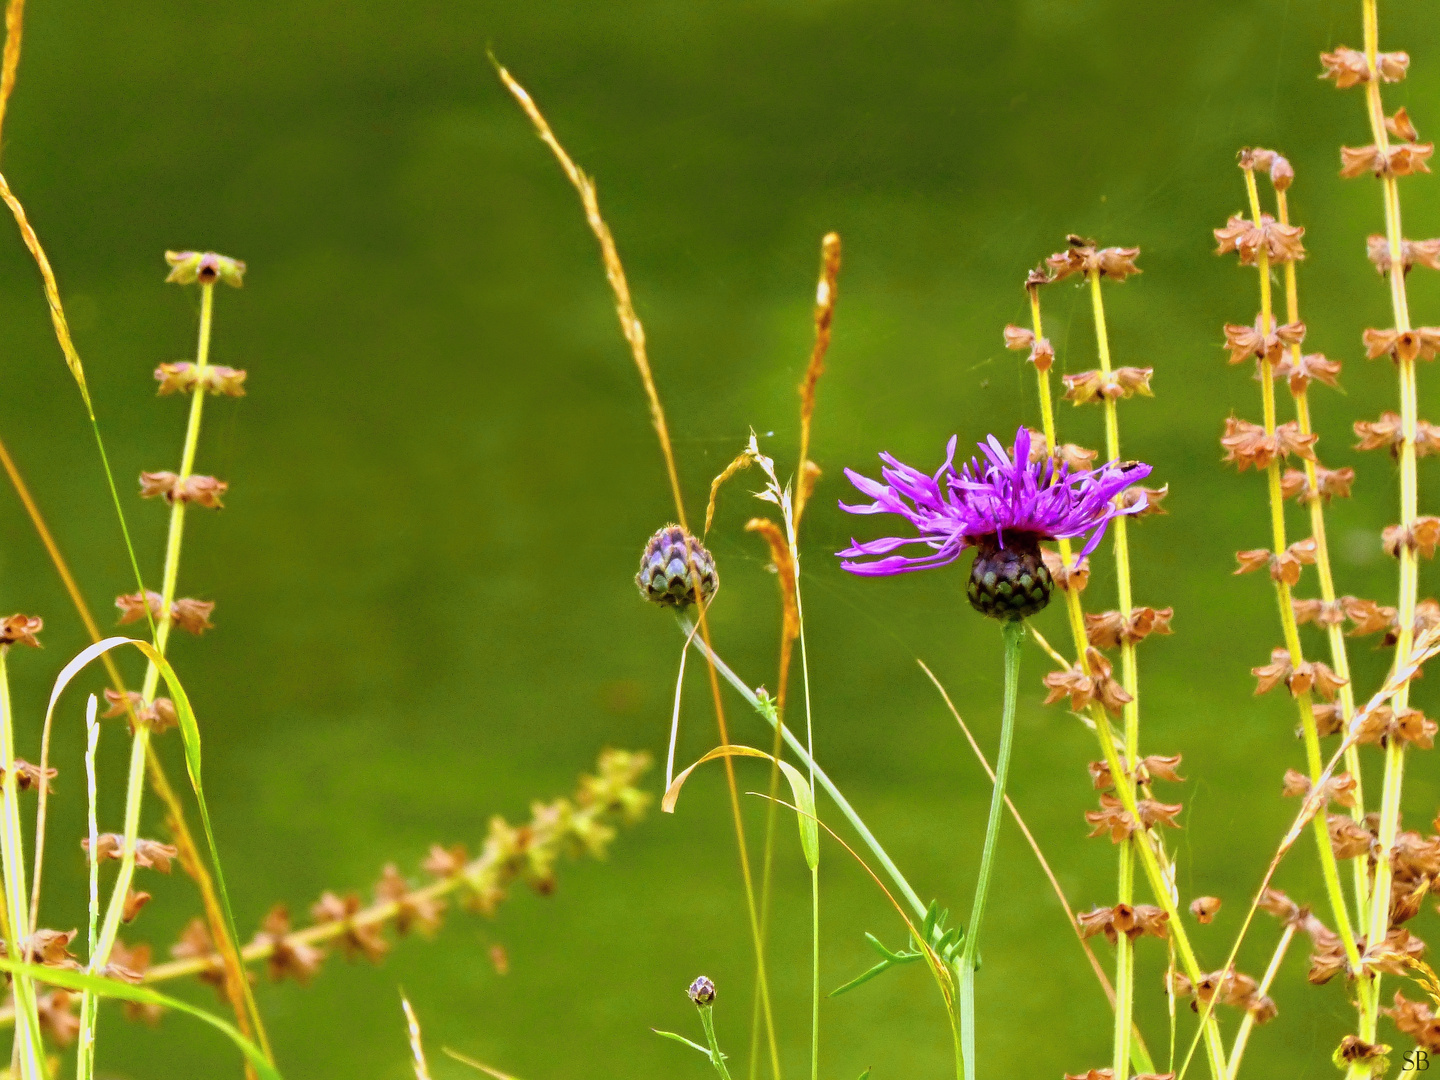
x,y
135,786
28,1046
1328,867
1130,679
707,1021
1014,633
1339,656
798,748
814,969
1379,910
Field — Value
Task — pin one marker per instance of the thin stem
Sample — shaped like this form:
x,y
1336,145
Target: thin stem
x,y
1304,705
1339,654
1014,634
707,1021
1379,910
1242,1036
1130,679
815,971
798,748
28,1045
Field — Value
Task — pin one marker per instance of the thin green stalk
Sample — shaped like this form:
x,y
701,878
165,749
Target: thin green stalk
x,y
707,1020
1130,679
28,1044
1379,911
1329,869
798,748
135,785
1339,655
1014,634
815,966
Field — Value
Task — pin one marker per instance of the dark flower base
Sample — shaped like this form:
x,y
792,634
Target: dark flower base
x,y
1010,582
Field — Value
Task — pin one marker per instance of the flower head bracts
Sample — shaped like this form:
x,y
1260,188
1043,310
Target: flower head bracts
x,y
183,377
1003,493
206,267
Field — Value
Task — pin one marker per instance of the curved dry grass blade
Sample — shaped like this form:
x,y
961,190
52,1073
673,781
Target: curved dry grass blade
x,y
742,461
809,838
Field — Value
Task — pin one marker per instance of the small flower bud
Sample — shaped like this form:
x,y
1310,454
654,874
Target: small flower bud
x,y
676,570
206,267
702,991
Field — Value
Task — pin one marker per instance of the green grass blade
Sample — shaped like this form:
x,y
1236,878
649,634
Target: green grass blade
x,y
80,982
190,736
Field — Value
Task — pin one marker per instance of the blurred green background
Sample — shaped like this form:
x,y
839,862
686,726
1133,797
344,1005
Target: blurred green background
x,y
443,473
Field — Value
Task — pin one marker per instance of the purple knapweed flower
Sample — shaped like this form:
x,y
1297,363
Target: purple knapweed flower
x,y
1003,504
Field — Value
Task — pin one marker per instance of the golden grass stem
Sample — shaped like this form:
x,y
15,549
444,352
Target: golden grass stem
x,y
634,332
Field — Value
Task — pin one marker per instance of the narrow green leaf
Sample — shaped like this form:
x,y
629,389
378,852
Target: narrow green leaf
x,y
682,1039
862,978
865,1075
141,995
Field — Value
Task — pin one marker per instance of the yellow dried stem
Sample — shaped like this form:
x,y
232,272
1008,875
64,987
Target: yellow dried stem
x,y
742,461
774,537
630,324
824,316
634,333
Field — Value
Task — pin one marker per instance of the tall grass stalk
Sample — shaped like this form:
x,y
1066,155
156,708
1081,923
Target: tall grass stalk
x,y
1156,863
1130,679
634,333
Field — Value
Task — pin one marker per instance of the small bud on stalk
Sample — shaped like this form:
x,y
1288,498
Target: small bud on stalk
x,y
676,570
702,992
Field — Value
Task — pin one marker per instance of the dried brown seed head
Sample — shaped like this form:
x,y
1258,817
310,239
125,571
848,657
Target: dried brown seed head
x,y
1205,908
1280,242
1413,253
1066,577
21,630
